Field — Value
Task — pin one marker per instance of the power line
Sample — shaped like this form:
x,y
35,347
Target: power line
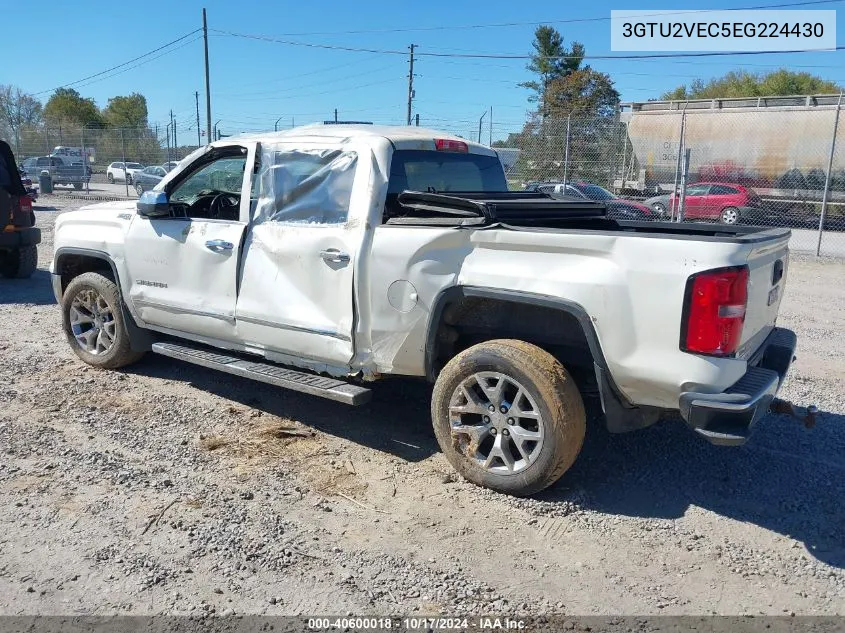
x,y
522,56
108,70
453,27
139,64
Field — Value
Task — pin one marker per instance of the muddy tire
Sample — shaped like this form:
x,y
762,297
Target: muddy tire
x,y
19,263
92,318
508,416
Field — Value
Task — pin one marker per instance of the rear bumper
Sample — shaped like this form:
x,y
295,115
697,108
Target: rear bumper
x,y
20,237
727,418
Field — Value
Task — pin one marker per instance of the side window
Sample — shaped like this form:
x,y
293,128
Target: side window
x,y
697,190
224,175
304,186
722,190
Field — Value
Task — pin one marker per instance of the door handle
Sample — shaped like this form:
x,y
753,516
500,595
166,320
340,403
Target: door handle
x,y
219,246
334,255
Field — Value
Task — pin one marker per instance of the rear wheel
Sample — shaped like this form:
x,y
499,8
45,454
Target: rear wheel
x,y
92,317
77,186
110,178
128,179
729,215
659,208
508,416
139,189
19,263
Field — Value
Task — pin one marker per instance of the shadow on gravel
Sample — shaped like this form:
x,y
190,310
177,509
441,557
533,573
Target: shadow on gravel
x,y
35,290
787,479
397,420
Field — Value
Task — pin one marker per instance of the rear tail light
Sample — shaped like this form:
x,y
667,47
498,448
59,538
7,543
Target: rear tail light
x,y
26,204
448,145
714,309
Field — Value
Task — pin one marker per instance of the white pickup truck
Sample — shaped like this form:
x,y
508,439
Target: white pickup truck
x,y
324,257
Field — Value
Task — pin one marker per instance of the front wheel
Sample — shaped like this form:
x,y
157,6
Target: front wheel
x,y
659,208
93,322
19,263
129,179
110,178
139,189
508,416
729,215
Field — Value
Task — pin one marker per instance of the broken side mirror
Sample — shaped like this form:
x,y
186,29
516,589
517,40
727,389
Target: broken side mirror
x,y
153,204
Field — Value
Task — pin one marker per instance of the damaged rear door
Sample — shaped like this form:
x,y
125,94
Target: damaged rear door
x,y
300,254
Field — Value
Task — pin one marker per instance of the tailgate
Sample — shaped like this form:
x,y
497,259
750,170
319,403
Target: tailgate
x,y
767,266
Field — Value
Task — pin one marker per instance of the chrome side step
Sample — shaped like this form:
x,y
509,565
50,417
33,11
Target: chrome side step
x,y
269,373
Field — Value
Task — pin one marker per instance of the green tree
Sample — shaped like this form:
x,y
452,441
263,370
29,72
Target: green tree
x,y
67,107
572,132
550,60
126,112
741,83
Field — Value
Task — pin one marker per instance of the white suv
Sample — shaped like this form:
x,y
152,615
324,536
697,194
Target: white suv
x,y
121,171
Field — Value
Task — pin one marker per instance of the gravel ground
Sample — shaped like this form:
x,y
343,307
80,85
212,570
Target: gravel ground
x,y
167,488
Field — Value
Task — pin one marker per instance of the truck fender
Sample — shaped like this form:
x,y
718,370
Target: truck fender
x,y
140,339
621,414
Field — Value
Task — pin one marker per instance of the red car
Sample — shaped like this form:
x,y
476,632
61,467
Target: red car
x,y
723,201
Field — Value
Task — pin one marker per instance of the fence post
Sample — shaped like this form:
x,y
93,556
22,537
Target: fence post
x,y
566,153
125,168
85,160
827,176
682,197
675,192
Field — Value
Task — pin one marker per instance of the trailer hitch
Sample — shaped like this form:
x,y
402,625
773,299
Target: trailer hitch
x,y
786,407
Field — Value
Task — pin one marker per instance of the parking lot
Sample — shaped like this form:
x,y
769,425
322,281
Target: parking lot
x,y
170,488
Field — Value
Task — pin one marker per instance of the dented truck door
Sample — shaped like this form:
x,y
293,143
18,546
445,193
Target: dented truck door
x,y
310,202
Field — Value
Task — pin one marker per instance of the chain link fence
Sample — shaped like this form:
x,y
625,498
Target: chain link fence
x,y
102,146
775,162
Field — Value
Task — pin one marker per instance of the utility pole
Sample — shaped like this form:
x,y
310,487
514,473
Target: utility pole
x,y
491,127
276,124
175,144
479,125
411,83
335,115
418,119
216,136
207,81
199,140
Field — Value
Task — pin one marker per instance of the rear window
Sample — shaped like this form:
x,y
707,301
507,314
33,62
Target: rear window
x,y
420,170
134,165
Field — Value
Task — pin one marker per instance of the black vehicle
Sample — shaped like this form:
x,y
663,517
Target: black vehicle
x,y
617,208
149,178
18,235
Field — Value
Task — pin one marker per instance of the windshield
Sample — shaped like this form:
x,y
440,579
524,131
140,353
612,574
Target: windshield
x,y
421,170
594,192
134,165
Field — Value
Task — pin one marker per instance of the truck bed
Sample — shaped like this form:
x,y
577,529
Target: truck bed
x,y
537,211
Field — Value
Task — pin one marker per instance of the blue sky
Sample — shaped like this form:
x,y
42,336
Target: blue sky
x,y
255,82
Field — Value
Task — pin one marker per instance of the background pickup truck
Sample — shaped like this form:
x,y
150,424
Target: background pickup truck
x,y
62,174
354,252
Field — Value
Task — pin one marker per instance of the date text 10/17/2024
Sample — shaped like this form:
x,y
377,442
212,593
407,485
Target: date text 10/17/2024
x,y
416,624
